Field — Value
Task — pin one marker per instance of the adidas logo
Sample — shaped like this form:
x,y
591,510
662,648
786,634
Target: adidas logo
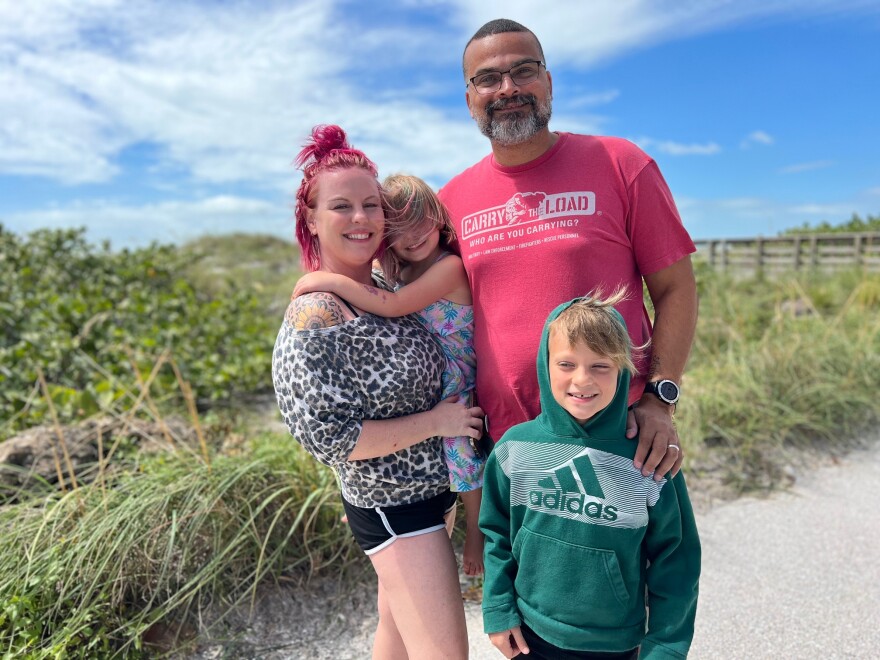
x,y
569,490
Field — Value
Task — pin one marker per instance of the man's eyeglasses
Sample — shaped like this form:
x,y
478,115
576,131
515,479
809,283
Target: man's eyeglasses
x,y
522,74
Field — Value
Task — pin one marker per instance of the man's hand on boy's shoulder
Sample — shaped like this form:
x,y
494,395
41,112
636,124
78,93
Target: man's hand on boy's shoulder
x,y
659,449
509,642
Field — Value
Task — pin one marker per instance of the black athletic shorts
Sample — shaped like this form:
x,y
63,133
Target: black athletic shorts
x,y
377,528
541,649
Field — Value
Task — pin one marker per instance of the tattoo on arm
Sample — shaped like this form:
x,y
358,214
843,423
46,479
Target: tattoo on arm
x,y
314,311
373,291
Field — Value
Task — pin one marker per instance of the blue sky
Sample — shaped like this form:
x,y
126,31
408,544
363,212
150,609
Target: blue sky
x,y
163,121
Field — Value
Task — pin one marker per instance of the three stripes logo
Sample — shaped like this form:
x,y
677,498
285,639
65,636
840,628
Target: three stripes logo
x,y
567,491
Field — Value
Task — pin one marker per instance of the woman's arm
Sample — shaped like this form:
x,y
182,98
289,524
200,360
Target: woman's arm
x,y
449,418
443,278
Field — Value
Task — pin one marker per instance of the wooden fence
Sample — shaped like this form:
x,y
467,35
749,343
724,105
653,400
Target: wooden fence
x,y
787,253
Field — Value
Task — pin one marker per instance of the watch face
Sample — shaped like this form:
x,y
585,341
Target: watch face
x,y
668,390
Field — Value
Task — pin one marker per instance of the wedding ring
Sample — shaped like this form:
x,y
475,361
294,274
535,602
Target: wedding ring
x,y
673,446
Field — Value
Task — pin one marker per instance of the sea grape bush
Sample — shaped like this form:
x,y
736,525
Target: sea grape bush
x,y
84,314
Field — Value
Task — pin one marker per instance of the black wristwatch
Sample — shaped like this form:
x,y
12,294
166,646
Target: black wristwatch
x,y
665,390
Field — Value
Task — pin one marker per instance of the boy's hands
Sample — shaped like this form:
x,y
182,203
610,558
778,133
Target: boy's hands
x,y
659,449
314,282
509,642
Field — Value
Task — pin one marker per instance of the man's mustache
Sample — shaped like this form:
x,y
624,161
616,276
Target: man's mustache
x,y
518,100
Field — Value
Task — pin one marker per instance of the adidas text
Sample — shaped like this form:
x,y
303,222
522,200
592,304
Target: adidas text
x,y
573,504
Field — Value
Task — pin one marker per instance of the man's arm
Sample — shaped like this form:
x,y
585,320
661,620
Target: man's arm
x,y
673,292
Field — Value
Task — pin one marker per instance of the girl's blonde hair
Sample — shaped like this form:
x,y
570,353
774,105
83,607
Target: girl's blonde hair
x,y
593,322
411,203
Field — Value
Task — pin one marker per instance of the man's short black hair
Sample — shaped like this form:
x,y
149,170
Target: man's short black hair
x,y
498,26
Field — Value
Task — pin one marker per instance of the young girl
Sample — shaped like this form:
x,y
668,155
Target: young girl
x,y
431,283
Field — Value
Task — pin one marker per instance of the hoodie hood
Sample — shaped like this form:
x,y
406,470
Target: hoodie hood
x,y
609,424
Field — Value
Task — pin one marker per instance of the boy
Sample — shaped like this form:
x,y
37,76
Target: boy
x,y
576,538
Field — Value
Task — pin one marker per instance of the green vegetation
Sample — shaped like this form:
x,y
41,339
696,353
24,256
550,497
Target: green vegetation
x,y
156,540
96,322
87,574
779,364
269,266
855,224
157,331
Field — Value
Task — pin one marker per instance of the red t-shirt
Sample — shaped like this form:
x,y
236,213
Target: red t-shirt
x,y
590,212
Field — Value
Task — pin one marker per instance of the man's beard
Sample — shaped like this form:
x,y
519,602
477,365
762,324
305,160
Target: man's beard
x,y
516,127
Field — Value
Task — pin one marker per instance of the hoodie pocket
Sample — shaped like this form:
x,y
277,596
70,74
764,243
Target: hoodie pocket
x,y
570,583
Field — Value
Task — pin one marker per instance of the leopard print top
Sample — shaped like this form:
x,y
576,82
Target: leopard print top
x,y
328,380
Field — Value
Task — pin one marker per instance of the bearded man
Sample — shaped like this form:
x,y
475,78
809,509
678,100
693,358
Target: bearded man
x,y
550,216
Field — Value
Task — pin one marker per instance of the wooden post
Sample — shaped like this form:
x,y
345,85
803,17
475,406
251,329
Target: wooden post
x,y
814,252
759,255
797,253
857,248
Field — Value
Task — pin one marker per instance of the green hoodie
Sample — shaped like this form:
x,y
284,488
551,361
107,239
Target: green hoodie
x,y
577,538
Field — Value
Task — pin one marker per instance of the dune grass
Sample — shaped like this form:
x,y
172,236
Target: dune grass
x,y
88,573
777,365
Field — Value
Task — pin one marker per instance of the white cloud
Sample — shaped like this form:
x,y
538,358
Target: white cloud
x,y
759,216
838,211
725,218
47,130
807,167
757,137
761,137
227,93
594,99
166,222
588,32
676,148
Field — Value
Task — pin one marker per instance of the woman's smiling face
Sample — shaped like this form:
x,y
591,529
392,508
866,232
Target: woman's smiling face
x,y
348,221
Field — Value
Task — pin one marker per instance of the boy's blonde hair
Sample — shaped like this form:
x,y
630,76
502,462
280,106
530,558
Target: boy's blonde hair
x,y
411,203
593,322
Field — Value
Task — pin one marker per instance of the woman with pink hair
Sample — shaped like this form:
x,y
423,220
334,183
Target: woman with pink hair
x,y
361,393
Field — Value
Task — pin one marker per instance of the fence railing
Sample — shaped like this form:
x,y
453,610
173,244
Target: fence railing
x,y
786,253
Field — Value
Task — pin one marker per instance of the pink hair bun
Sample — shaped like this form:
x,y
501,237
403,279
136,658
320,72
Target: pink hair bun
x,y
325,139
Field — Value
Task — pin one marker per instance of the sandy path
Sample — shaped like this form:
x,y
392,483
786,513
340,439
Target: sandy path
x,y
795,575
